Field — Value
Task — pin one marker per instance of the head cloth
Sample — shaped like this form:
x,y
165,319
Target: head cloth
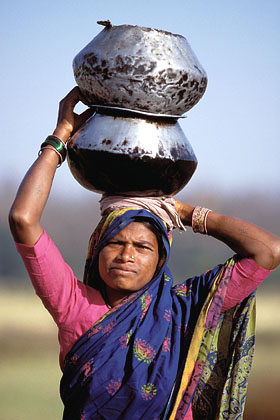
x,y
108,227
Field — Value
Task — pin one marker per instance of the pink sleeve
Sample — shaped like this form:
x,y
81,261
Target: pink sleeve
x,y
74,306
51,277
54,282
247,275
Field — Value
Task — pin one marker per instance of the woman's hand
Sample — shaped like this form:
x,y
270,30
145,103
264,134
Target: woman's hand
x,y
185,212
68,122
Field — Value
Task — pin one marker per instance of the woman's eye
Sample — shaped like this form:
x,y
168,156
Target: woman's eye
x,y
113,243
144,247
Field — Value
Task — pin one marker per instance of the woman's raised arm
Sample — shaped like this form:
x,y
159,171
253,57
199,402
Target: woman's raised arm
x,y
31,198
242,237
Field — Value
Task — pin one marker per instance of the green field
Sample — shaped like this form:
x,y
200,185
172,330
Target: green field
x,y
30,374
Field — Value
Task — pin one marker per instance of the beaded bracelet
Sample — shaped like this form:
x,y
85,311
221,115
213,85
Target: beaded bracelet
x,y
199,219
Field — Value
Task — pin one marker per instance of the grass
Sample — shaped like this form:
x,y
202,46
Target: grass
x,y
30,374
29,387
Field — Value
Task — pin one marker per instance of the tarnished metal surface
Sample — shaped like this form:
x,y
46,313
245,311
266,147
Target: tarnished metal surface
x,y
121,155
140,68
134,136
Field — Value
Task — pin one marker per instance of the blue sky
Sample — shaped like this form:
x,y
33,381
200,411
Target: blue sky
x,y
234,129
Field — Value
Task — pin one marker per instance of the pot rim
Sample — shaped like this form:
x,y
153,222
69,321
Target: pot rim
x,y
108,25
135,112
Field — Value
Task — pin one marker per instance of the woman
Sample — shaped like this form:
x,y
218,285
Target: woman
x,y
133,346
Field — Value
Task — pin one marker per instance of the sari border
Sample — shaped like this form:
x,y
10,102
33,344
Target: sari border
x,y
197,337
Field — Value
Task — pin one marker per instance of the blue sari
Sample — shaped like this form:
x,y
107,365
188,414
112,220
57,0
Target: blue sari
x,y
145,358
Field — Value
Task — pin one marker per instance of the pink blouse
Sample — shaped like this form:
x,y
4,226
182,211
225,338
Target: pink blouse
x,y
75,307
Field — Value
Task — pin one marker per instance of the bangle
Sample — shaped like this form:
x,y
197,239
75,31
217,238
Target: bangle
x,y
63,142
199,219
57,144
56,151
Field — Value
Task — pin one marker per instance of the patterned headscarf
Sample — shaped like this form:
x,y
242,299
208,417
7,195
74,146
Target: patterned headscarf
x,y
91,272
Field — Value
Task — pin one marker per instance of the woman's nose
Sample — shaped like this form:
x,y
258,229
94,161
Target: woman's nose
x,y
127,253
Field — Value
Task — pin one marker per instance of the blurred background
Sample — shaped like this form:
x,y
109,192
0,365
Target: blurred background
x,y
234,131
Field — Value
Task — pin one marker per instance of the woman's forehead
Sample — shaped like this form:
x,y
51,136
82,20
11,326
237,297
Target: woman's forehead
x,y
137,231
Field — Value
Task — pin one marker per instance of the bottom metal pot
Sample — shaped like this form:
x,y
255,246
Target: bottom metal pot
x,y
125,155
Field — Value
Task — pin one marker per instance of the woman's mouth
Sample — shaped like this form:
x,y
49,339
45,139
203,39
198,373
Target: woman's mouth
x,y
122,270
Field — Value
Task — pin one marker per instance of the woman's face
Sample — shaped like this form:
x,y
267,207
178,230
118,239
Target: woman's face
x,y
128,262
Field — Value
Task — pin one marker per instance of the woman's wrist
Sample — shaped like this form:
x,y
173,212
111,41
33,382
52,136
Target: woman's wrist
x,y
185,212
199,220
55,144
51,155
62,132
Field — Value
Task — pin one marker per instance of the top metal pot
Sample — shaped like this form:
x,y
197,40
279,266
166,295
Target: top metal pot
x,y
140,68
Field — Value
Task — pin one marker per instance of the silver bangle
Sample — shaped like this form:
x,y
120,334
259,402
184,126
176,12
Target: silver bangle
x,y
56,151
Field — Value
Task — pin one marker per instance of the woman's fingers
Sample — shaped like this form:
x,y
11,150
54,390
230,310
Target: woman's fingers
x,y
178,205
85,115
83,98
69,122
68,103
80,119
74,94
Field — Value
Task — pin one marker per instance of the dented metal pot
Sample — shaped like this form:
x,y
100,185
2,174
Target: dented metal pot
x,y
140,68
121,154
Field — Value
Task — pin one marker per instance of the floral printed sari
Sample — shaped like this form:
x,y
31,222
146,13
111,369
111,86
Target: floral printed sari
x,y
162,348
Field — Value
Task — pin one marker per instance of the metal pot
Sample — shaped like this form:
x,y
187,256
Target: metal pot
x,y
121,154
140,68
